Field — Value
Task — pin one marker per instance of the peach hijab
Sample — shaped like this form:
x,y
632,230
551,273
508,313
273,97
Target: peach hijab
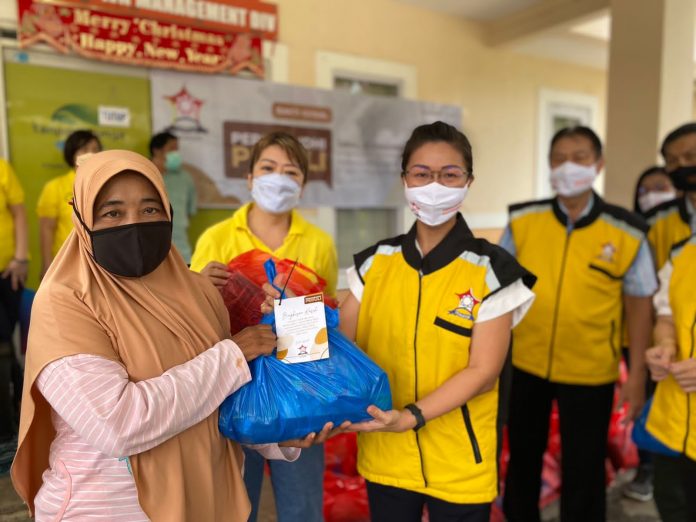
x,y
149,325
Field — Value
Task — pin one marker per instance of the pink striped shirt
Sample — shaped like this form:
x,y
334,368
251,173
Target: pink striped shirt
x,y
101,418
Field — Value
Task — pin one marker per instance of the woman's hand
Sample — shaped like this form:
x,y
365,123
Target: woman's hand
x,y
255,340
17,272
393,420
272,293
659,359
684,373
312,439
217,273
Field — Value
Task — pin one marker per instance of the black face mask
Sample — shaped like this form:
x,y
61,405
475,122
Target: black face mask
x,y
680,178
132,250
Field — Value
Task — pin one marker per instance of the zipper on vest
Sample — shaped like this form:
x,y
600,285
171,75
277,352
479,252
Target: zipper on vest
x,y
472,435
415,371
554,325
688,395
611,339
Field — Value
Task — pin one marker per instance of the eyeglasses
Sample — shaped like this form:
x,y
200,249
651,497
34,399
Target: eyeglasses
x,y
450,176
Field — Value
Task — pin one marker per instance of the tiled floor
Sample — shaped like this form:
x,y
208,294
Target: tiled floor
x,y
620,510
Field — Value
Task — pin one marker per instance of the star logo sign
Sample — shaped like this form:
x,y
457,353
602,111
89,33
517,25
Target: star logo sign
x,y
186,111
185,103
467,302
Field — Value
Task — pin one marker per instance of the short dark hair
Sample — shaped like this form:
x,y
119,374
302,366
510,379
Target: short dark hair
x,y
160,140
648,172
289,143
679,132
75,141
574,132
438,131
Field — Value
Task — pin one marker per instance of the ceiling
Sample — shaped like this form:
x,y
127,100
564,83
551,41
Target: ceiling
x,y
584,43
475,9
599,28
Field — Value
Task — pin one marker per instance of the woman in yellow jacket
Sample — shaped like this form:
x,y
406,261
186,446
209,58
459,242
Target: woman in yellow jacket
x,y
434,308
279,167
672,363
53,208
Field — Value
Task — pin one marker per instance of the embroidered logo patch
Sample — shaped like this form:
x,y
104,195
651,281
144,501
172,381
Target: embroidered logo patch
x,y
608,252
467,302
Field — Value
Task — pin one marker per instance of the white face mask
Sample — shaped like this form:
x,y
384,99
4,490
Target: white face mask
x,y
652,199
571,179
275,193
433,204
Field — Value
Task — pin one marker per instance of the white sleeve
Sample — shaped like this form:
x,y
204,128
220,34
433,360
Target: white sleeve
x,y
355,285
661,298
515,298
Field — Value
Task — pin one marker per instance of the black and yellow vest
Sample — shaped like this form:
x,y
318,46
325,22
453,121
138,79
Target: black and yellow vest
x,y
669,225
416,320
672,418
572,333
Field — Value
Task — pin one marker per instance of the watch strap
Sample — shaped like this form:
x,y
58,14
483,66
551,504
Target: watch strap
x,y
418,414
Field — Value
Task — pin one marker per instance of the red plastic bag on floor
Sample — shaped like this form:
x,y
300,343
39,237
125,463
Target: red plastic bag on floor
x,y
345,498
243,293
621,449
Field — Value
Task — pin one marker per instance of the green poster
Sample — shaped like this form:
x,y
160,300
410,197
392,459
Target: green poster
x,y
45,104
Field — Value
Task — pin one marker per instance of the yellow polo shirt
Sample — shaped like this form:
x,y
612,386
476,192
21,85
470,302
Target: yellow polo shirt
x,y
54,203
11,194
308,243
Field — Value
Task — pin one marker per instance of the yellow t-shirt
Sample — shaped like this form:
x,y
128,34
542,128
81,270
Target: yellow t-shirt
x,y
229,238
54,203
11,194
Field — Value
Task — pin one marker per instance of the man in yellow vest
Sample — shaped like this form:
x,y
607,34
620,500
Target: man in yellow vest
x,y
672,362
594,268
671,223
675,220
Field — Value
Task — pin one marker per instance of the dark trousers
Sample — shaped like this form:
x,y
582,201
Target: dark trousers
x,y
10,391
389,504
585,412
675,488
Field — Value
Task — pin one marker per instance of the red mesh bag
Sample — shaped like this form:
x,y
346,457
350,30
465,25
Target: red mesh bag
x,y
243,294
243,300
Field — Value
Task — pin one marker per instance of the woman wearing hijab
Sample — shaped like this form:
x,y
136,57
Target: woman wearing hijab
x,y
128,360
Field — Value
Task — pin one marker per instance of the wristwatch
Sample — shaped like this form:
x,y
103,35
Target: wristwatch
x,y
418,414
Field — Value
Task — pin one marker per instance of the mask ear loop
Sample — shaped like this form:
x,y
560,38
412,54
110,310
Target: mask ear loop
x,y
79,217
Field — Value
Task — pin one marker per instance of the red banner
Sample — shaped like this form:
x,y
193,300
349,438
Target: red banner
x,y
213,36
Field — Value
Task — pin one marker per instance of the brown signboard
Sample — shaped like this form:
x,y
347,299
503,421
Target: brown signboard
x,y
240,137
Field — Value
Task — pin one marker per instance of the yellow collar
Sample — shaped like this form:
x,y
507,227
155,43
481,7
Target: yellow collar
x,y
298,224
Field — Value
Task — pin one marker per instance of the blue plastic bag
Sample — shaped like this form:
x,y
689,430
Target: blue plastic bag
x,y
289,401
644,439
